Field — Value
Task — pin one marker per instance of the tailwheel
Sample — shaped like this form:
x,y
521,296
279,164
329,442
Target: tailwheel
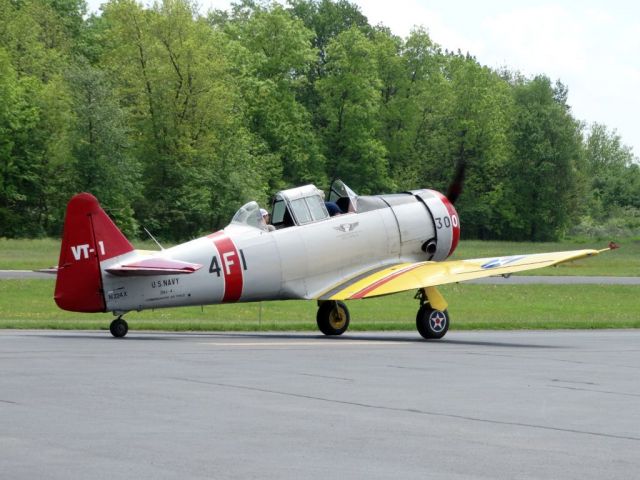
x,y
432,323
119,327
333,318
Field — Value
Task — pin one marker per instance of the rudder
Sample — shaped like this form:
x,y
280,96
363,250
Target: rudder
x,y
89,237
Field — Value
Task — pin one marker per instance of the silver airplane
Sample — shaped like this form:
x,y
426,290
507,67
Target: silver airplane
x,y
352,247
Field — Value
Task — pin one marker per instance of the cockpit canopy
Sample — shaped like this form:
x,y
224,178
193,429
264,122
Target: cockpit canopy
x,y
298,206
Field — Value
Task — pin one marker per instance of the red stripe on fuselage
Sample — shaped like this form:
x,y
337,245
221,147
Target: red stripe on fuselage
x,y
231,265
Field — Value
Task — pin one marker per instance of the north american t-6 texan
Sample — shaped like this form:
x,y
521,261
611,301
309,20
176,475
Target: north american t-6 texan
x,y
350,247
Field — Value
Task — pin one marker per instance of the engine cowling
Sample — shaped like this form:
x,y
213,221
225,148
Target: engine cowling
x,y
446,224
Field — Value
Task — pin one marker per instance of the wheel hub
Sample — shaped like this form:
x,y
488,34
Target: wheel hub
x,y
437,321
337,318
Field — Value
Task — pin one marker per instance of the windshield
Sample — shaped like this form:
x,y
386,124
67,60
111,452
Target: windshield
x,y
301,211
249,214
317,208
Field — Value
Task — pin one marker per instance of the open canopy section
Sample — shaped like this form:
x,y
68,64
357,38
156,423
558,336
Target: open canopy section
x,y
343,196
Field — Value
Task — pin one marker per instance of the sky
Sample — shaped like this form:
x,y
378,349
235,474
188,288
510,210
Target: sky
x,y
591,46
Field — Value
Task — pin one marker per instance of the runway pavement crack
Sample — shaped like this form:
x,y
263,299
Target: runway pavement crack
x,y
411,410
572,381
593,390
326,376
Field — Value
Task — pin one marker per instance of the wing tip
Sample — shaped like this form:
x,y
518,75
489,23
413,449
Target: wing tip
x,y
612,246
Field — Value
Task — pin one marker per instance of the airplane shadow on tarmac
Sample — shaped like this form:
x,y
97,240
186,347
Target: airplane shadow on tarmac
x,y
409,338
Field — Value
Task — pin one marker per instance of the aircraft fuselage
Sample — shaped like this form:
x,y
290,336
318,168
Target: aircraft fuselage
x,y
244,263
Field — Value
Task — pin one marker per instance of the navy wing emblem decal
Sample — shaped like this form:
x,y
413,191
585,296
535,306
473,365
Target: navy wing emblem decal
x,y
347,227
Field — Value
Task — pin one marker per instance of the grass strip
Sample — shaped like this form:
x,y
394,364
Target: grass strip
x,y
29,304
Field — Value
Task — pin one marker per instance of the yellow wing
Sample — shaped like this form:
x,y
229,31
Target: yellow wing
x,y
413,276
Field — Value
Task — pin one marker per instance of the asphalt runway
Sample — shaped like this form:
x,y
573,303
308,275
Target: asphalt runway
x,y
493,405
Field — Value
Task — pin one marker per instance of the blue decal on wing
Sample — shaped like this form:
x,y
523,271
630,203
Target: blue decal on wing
x,y
502,261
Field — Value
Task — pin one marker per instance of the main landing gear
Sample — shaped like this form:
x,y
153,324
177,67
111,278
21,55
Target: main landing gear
x,y
432,320
119,327
333,317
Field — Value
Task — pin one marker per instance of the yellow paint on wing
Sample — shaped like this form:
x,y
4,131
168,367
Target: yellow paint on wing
x,y
354,288
431,274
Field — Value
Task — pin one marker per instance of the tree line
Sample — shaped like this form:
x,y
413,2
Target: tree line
x,y
174,119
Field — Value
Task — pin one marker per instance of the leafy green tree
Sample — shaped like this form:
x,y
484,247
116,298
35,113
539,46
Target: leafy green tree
x,y
479,137
103,164
547,147
17,118
328,19
417,104
172,74
350,96
396,117
613,171
273,55
36,47
443,110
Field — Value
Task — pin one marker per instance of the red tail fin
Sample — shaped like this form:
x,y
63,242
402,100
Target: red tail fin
x,y
89,237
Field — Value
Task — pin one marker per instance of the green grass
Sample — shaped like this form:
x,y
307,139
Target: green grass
x,y
42,253
28,254
29,304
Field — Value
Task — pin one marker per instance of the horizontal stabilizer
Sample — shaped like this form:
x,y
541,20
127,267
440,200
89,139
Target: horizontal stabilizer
x,y
50,270
154,266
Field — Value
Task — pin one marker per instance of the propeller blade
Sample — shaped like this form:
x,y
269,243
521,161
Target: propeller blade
x,y
455,188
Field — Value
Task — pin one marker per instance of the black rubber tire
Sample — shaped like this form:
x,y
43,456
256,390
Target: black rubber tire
x,y
432,324
333,318
119,328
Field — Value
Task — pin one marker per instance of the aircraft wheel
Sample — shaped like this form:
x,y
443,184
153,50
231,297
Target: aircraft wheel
x,y
333,318
432,323
119,328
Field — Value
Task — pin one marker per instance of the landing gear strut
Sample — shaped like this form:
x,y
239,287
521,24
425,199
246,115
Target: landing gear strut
x,y
333,317
432,323
119,327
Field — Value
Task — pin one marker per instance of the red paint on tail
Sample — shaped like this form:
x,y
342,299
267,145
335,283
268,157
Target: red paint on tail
x,y
89,237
